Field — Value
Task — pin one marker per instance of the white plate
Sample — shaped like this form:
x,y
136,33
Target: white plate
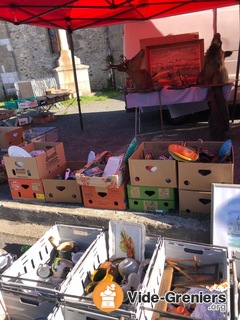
x,y
15,151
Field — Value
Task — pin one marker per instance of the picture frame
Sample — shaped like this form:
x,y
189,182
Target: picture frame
x,y
184,57
225,220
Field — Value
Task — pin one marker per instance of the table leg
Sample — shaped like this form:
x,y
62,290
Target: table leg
x,y
139,119
136,120
161,113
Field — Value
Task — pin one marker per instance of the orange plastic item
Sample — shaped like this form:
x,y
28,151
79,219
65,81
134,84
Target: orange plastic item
x,y
180,310
183,152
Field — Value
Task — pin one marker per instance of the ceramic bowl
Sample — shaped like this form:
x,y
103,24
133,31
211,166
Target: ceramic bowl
x,y
127,266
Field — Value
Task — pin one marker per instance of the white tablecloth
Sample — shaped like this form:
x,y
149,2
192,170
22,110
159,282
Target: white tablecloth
x,y
168,96
179,102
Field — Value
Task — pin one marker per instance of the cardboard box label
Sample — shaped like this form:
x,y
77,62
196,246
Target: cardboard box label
x,y
163,193
150,193
150,205
52,159
135,192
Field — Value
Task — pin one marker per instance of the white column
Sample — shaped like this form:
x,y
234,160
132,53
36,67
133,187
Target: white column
x,y
63,39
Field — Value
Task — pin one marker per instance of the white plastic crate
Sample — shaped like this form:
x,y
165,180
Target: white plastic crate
x,y
73,295
173,249
24,294
62,312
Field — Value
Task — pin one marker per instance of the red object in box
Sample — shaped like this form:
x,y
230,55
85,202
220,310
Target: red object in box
x,y
105,197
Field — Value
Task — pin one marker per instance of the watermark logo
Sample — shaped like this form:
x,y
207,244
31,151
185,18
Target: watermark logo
x,y
107,296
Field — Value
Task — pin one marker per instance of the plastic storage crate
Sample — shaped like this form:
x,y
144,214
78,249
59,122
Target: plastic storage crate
x,y
76,306
63,312
24,294
173,249
11,104
14,103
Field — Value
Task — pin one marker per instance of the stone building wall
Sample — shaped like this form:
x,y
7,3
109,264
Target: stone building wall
x,y
25,54
93,46
8,70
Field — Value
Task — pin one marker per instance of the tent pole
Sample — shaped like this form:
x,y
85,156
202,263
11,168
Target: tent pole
x,y
75,77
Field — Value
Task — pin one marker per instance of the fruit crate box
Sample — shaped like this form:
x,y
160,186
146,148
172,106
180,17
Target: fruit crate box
x,y
10,136
105,197
146,247
26,189
37,167
112,181
212,264
194,204
24,292
199,176
150,193
63,190
153,172
155,206
41,134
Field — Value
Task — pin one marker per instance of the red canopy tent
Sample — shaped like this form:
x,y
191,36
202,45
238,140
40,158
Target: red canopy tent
x,y
76,14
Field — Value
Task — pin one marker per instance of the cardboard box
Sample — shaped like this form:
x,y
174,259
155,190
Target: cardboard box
x,y
153,173
45,118
26,189
150,193
10,136
105,197
51,135
200,176
151,205
41,134
23,121
195,204
25,104
112,181
63,190
38,167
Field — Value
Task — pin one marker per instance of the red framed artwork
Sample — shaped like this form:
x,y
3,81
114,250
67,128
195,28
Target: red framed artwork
x,y
185,58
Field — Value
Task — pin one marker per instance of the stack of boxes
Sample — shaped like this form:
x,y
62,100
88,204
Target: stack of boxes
x,y
157,182
153,179
103,192
195,180
42,176
25,174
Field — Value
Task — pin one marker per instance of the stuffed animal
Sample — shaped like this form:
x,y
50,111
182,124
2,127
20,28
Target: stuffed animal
x,y
214,70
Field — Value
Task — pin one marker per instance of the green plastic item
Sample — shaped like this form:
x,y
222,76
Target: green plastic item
x,y
131,149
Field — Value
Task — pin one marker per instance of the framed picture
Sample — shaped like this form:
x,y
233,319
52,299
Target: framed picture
x,y
225,222
185,58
